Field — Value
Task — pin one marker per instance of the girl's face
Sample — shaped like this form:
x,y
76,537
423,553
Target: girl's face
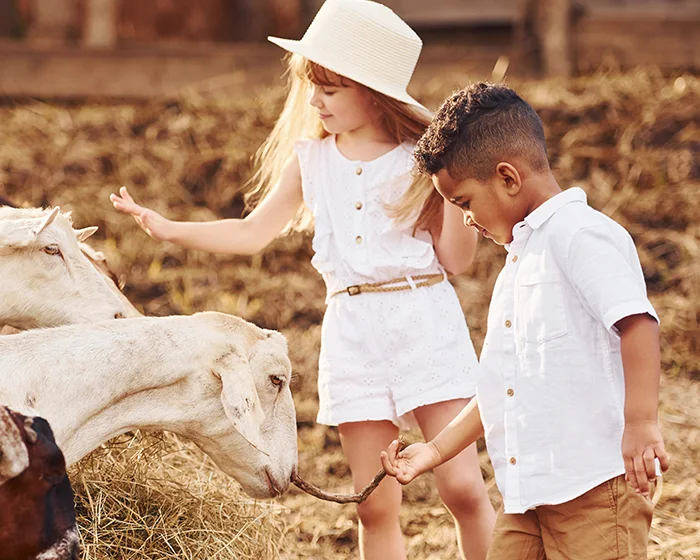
x,y
343,108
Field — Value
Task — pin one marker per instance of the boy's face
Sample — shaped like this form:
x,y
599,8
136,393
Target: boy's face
x,y
491,207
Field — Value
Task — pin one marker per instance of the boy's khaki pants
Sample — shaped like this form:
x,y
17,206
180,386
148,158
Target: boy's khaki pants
x,y
611,521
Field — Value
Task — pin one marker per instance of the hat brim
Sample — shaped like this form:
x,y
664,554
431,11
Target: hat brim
x,y
298,47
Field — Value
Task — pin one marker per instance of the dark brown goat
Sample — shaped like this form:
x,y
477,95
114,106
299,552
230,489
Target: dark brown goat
x,y
37,515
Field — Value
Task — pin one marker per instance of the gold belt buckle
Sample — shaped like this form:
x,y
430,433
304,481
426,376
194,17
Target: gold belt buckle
x,y
353,290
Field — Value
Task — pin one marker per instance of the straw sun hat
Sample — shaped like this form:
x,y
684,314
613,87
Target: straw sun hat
x,y
364,41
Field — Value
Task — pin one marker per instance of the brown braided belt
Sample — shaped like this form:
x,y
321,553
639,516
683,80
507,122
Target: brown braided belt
x,y
396,285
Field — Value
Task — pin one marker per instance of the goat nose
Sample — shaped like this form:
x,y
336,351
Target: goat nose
x,y
119,315
278,487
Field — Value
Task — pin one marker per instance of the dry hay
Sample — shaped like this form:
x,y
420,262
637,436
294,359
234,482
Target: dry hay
x,y
629,139
157,498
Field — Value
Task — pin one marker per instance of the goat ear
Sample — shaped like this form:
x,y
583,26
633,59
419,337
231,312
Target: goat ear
x,y
14,457
85,233
23,232
240,398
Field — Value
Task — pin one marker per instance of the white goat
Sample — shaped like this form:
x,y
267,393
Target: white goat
x,y
214,378
47,280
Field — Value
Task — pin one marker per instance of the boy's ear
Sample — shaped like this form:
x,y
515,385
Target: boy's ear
x,y
510,177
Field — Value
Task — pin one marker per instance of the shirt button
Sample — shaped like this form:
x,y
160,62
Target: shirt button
x,y
358,205
508,324
512,461
510,392
515,258
358,239
358,171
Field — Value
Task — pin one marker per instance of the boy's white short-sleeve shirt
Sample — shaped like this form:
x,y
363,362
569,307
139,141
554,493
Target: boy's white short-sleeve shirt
x,y
551,385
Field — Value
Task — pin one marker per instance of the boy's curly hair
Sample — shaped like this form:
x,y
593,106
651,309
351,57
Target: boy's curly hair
x,y
476,128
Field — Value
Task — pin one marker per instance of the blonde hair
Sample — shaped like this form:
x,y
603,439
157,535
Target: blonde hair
x,y
421,204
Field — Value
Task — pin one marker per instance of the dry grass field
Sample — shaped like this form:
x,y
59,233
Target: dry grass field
x,y
631,140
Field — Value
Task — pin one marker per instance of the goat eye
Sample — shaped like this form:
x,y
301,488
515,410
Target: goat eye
x,y
277,380
52,250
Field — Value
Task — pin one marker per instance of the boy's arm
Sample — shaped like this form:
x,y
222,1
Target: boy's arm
x,y
418,458
245,236
455,243
609,279
641,440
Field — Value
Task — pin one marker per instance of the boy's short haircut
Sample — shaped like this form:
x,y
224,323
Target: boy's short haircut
x,y
476,128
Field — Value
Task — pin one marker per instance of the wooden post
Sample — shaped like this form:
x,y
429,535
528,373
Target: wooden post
x,y
253,20
552,28
286,18
100,24
555,37
8,18
53,21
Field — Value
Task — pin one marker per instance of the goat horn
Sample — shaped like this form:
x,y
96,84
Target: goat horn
x,y
357,498
50,217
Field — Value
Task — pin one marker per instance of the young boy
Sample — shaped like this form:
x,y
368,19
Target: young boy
x,y
567,394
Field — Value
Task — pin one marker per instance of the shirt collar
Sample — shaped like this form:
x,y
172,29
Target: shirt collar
x,y
547,209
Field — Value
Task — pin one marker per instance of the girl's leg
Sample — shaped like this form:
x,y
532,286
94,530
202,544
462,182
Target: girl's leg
x,y
380,532
460,483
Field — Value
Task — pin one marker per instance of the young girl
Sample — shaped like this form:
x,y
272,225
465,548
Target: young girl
x,y
394,340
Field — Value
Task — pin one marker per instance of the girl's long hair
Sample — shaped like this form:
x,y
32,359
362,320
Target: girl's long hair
x,y
420,207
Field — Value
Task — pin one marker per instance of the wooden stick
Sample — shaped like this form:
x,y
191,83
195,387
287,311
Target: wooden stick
x,y
357,498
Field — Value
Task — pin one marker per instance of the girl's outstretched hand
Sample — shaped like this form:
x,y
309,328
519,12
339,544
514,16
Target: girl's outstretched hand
x,y
411,462
150,221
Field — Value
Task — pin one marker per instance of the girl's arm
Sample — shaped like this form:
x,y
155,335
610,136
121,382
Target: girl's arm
x,y
244,236
455,243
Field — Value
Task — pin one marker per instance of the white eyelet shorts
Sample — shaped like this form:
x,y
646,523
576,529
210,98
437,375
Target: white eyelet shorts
x,y
386,354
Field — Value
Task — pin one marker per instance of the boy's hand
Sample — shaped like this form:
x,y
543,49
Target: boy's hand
x,y
411,462
641,445
150,221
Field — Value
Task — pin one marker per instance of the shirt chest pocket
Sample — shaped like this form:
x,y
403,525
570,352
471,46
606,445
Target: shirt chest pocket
x,y
540,310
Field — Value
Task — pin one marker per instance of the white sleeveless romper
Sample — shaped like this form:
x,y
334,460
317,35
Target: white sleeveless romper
x,y
382,354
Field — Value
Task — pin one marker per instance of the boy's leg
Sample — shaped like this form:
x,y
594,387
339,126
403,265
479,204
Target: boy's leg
x,y
609,522
517,536
380,532
460,483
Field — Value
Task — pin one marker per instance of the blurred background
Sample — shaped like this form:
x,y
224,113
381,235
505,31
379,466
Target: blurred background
x,y
172,98
146,48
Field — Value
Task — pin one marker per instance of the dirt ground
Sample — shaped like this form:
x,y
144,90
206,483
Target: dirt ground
x,y
630,140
